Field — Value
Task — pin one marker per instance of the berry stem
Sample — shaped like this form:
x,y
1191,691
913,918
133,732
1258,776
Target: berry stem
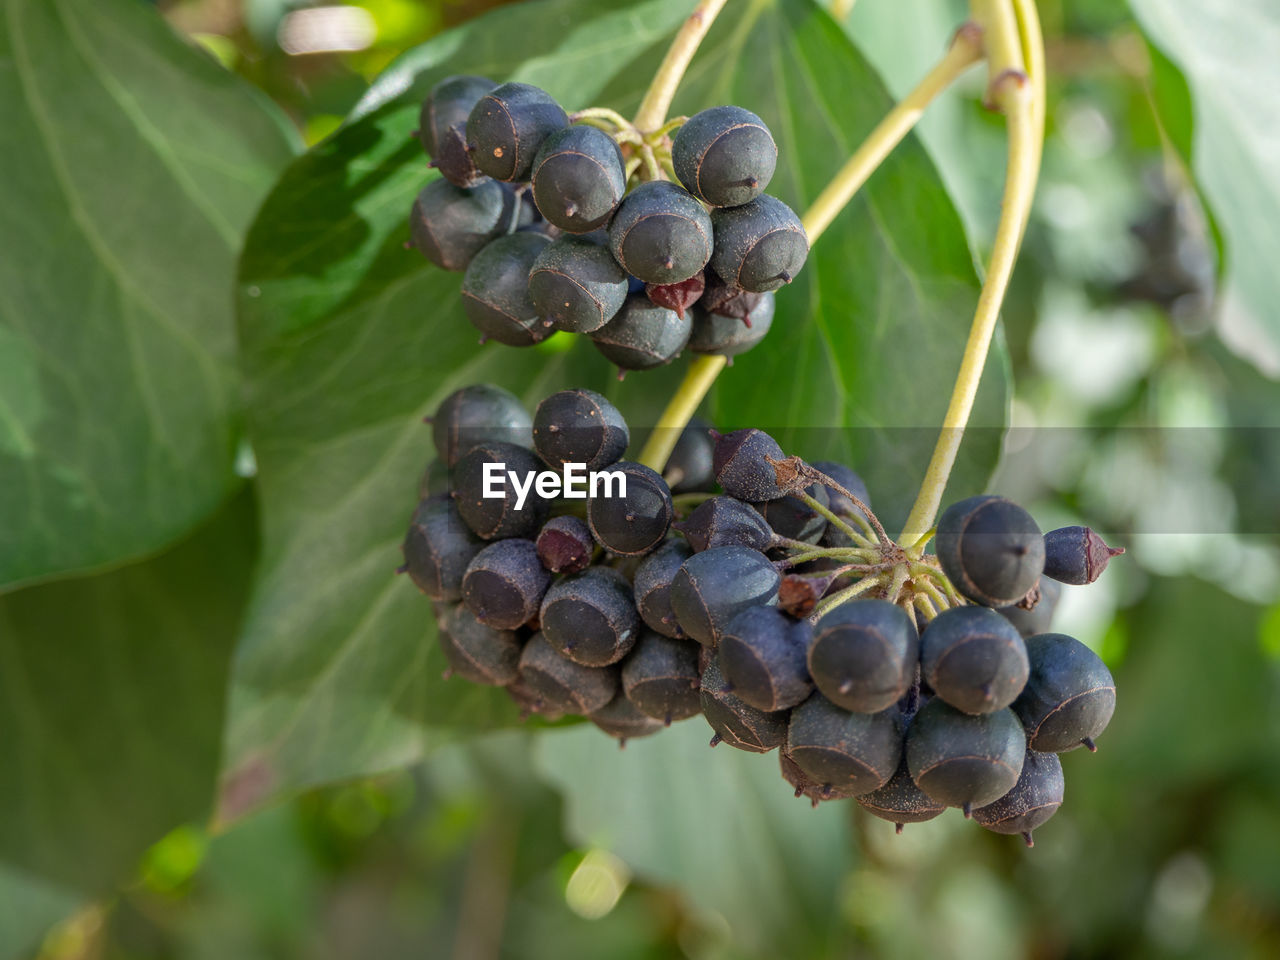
x,y
618,121
848,593
662,89
831,517
965,50
1015,95
697,381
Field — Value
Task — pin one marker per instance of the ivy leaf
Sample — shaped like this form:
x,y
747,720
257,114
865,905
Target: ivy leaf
x,y
1230,64
133,165
112,697
349,341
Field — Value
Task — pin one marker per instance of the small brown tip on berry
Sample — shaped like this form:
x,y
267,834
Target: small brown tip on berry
x,y
752,182
799,792
433,165
408,244
413,134
814,803
785,277
746,320
967,810
446,673
729,362
470,147
1089,745
669,264
622,374
846,687
483,341
1028,839
403,568
666,721
622,743
429,419
897,828
715,739
571,210
825,791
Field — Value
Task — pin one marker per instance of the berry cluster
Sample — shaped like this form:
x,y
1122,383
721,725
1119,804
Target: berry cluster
x,y
569,223
778,608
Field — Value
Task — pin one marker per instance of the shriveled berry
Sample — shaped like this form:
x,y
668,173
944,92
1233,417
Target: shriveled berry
x,y
794,519
635,523
642,335
442,126
478,414
759,246
742,465
1033,799
661,233
1076,555
554,682
723,522
508,126
591,617
724,155
495,290
729,336
990,549
1069,697
762,655
848,753
660,676
504,584
729,300
974,659
449,225
438,548
565,544
1039,618
715,585
676,296
900,801
690,467
477,651
497,518
964,760
578,178
576,285
579,426
735,721
653,586
623,720
864,653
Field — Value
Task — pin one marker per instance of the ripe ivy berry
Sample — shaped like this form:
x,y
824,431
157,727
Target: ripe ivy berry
x,y
553,681
1076,555
794,519
690,467
1069,697
760,246
508,126
974,659
762,655
634,524
623,720
449,225
495,290
990,549
504,584
1033,799
962,760
497,518
724,155
712,587
477,651
579,426
653,586
848,753
660,676
578,178
591,617
742,465
864,654
729,336
642,335
438,548
1039,618
723,522
735,721
442,126
576,285
476,414
900,801
661,233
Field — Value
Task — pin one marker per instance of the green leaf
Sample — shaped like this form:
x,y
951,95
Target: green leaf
x,y
133,164
350,340
112,695
29,907
721,825
1231,66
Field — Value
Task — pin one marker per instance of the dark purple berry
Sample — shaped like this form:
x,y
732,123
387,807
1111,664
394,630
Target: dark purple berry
x,y
690,468
478,414
502,516
642,335
553,681
724,155
742,465
762,655
794,519
974,659
578,178
504,584
661,233
846,753
660,676
1033,799
714,586
477,651
1076,555
507,127
1069,697
449,225
442,126
864,654
736,722
636,522
495,290
576,285
565,544
591,617
900,801
579,426
963,760
653,586
438,548
1039,618
623,720
724,522
759,246
729,336
990,549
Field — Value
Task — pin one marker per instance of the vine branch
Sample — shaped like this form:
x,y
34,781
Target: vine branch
x,y
662,89
1016,95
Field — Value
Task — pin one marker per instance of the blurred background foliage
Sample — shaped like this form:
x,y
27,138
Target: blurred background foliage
x,y
1131,413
